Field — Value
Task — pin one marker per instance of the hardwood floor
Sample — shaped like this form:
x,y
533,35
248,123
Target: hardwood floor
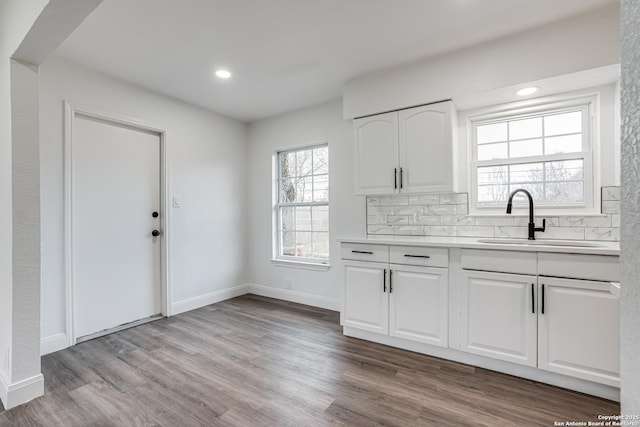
x,y
254,361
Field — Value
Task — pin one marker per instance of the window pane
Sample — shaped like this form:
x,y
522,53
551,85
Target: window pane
x,y
565,192
320,218
303,162
559,124
287,165
492,194
303,218
288,243
493,175
536,190
321,188
304,189
491,133
320,245
321,160
565,170
287,219
525,147
288,190
492,151
528,172
563,144
526,128
303,244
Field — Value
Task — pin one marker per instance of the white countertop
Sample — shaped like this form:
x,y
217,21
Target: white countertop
x,y
603,248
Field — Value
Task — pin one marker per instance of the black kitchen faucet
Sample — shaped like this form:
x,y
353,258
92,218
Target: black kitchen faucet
x,y
532,225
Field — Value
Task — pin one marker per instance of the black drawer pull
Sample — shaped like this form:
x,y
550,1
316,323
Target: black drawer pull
x,y
542,298
362,252
533,299
417,256
384,280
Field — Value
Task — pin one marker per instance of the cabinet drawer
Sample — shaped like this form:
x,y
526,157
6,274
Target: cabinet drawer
x,y
589,267
499,261
364,252
418,255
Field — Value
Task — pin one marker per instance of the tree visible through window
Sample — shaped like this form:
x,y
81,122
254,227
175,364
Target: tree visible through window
x,y
303,203
546,152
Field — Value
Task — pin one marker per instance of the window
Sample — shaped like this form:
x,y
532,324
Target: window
x,y
303,204
545,149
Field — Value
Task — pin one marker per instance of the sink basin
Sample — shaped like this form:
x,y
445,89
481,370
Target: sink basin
x,y
574,243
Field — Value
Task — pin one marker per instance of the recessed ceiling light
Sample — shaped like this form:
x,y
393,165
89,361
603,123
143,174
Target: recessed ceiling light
x,y
223,74
527,91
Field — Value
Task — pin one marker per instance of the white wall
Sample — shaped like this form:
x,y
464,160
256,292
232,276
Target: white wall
x,y
581,43
318,124
630,292
16,18
206,156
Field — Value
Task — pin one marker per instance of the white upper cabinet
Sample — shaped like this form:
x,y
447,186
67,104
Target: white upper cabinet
x,y
426,148
407,151
376,154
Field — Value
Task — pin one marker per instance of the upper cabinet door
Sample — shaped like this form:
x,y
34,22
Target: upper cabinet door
x,y
376,154
426,148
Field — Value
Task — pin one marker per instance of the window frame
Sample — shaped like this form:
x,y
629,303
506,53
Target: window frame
x,y
293,260
587,104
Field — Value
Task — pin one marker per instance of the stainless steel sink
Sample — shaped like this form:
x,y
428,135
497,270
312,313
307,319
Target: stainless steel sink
x,y
574,243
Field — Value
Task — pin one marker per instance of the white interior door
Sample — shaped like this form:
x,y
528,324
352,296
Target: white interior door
x,y
116,263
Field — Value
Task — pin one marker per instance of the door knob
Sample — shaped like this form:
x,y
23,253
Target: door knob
x,y
155,233
155,214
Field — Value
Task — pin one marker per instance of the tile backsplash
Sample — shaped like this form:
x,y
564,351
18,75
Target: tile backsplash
x,y
446,214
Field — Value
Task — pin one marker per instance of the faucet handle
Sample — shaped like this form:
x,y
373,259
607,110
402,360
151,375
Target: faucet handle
x,y
544,225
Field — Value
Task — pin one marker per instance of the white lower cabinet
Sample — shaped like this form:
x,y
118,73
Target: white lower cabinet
x,y
498,316
579,330
403,301
567,326
366,300
418,301
550,311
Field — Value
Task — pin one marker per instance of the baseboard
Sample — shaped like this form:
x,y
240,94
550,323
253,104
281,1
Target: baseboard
x,y
53,343
295,296
21,392
207,299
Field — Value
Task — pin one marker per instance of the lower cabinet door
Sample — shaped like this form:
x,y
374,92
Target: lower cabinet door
x,y
579,330
418,304
366,296
498,316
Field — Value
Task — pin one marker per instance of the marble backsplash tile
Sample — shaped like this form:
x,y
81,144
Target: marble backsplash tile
x,y
446,214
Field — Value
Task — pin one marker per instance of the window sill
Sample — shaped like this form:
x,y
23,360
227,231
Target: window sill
x,y
305,265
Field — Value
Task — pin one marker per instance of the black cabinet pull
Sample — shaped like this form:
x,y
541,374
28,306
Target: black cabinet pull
x,y
417,256
533,299
542,299
395,178
362,252
390,281
400,177
384,281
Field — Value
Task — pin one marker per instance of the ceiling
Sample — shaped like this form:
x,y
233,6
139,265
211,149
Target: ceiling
x,y
286,54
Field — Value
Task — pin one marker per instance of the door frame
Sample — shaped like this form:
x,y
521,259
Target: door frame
x,y
71,110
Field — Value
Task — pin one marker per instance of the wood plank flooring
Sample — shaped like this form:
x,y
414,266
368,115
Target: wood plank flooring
x,y
254,361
